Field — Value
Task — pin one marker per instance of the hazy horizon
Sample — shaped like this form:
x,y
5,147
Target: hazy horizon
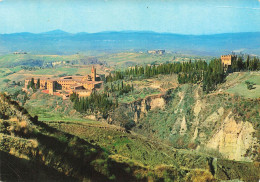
x,y
128,31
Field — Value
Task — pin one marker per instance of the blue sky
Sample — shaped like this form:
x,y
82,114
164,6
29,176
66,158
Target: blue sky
x,y
174,16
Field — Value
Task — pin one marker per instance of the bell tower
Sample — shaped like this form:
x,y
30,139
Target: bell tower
x,y
93,73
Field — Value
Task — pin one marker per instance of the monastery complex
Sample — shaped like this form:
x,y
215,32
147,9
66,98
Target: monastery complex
x,y
64,86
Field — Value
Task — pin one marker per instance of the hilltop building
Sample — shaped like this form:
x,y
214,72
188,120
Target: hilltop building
x,y
19,52
160,52
227,60
64,86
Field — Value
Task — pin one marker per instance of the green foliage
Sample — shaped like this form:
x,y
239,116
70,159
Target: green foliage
x,y
250,85
62,75
188,72
209,74
118,88
63,138
6,80
20,96
94,103
248,64
38,84
213,76
129,125
31,84
116,76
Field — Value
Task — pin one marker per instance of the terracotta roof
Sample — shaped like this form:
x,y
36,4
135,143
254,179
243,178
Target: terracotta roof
x,y
56,93
81,90
45,91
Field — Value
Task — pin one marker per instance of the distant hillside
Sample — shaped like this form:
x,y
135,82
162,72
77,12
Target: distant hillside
x,y
60,42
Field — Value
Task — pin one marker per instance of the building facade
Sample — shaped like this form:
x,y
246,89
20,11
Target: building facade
x,y
160,52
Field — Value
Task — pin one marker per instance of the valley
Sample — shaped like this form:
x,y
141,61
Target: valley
x,y
161,129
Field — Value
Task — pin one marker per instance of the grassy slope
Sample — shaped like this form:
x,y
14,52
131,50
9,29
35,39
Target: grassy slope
x,y
52,108
17,169
235,84
156,155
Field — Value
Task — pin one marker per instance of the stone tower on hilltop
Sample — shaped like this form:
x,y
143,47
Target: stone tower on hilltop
x,y
227,60
93,73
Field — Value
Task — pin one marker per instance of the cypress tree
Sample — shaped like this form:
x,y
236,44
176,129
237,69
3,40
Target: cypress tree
x,y
38,84
32,83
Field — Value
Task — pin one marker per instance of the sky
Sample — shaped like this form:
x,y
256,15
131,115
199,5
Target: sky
x,y
196,17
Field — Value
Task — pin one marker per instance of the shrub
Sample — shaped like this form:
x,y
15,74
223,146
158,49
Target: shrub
x,y
250,85
200,176
63,138
112,178
129,125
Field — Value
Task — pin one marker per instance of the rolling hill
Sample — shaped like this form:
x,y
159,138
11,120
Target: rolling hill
x,y
60,42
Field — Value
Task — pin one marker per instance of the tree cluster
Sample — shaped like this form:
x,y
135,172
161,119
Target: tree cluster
x,y
153,70
93,104
240,64
116,76
32,85
119,87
